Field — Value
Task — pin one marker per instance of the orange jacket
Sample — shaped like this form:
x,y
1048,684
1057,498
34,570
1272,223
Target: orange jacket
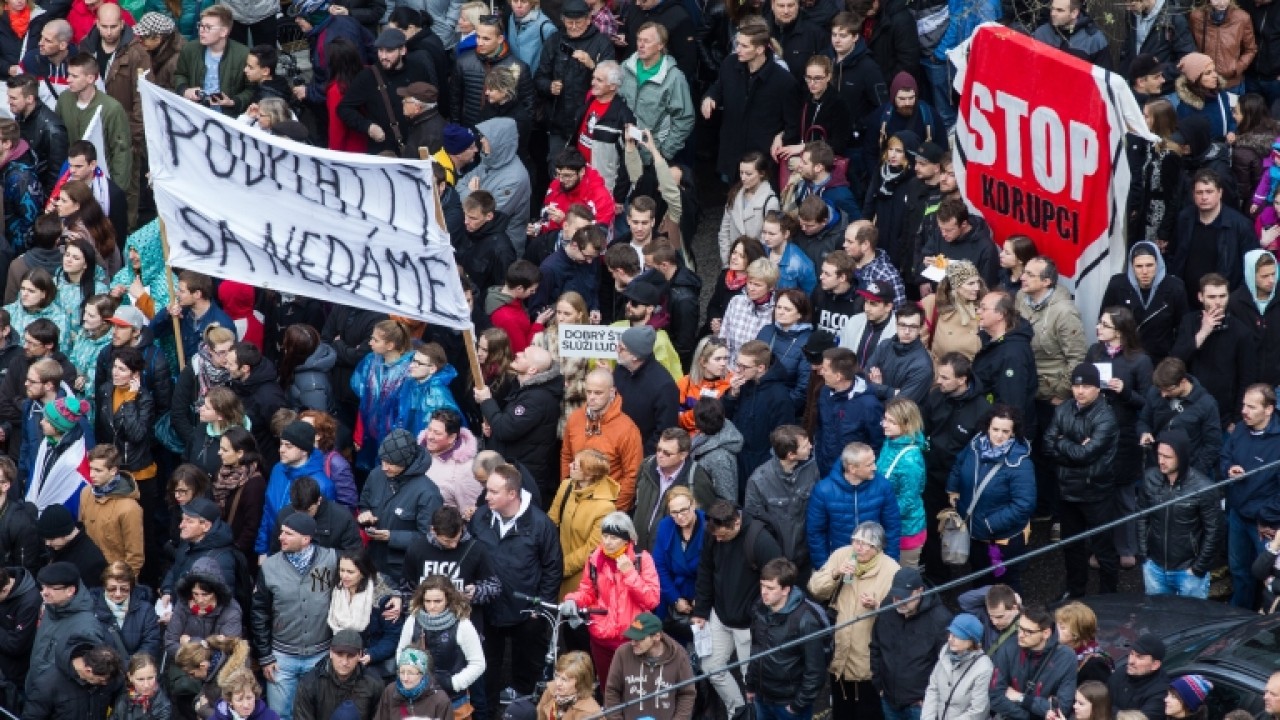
x,y
617,437
690,392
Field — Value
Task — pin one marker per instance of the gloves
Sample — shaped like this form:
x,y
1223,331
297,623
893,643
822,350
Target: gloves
x,y
568,608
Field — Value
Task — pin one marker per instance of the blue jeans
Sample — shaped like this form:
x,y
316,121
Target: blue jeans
x,y
1243,546
289,670
1174,582
778,711
911,712
939,75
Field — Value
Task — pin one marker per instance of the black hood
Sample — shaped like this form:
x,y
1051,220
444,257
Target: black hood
x,y
1178,441
261,374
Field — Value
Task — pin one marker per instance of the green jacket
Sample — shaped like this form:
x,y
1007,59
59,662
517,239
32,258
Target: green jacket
x,y
663,105
190,73
116,131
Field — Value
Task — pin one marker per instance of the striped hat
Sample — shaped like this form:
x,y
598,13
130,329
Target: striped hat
x,y
1191,690
64,413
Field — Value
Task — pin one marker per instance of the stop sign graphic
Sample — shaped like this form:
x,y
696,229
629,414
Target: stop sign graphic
x,y
1040,151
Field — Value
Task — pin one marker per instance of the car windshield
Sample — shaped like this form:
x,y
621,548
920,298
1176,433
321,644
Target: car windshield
x,y
1260,650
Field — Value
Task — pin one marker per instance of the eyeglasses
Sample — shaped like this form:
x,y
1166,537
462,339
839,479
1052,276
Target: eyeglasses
x,y
207,27
740,366
677,513
814,78
419,363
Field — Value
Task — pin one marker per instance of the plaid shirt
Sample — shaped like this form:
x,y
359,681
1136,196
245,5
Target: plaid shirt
x,y
742,322
605,22
881,269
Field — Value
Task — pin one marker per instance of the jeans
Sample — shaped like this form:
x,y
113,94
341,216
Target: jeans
x,y
1243,546
939,75
724,641
1174,582
778,711
289,670
910,712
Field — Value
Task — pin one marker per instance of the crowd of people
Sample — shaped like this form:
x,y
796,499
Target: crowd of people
x,y
223,500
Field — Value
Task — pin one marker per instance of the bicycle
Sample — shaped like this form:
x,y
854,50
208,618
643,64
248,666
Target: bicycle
x,y
555,616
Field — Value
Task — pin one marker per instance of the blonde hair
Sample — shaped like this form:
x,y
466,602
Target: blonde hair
x,y
906,414
577,666
1080,619
764,270
680,491
238,681
592,464
472,11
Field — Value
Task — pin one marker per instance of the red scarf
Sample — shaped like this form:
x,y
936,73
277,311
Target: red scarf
x,y
735,280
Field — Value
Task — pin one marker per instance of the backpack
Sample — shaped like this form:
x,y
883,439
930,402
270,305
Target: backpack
x,y
828,640
760,524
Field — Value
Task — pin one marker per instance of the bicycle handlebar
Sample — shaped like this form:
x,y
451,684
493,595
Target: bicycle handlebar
x,y
552,607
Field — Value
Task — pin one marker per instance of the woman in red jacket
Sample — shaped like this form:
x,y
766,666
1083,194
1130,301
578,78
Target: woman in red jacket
x,y
620,579
344,65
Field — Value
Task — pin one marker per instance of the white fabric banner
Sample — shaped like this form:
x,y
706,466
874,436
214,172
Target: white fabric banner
x,y
358,230
93,134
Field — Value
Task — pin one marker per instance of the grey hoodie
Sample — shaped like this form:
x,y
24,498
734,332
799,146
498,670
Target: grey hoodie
x,y
718,455
311,389
502,175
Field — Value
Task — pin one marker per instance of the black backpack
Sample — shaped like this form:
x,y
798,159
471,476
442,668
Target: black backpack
x,y
828,640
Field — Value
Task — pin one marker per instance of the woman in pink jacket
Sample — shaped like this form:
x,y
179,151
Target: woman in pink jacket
x,y
619,578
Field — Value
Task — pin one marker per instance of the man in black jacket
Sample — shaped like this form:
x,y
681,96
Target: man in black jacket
x,y
335,527
19,544
1180,544
800,38
1027,674
1141,683
895,43
735,551
1177,400
1218,348
492,50
906,642
524,428
368,107
649,395
1158,30
339,680
683,288
1081,439
1210,235
255,382
1005,365
69,543
20,605
563,77
85,684
425,48
1253,304
524,546
41,128
958,235
785,684
952,412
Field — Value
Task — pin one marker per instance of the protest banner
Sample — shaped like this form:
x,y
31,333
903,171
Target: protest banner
x,y
589,341
1040,151
357,230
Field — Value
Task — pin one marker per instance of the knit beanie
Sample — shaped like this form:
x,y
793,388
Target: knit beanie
x,y
399,448
960,272
64,413
416,658
1191,690
1193,65
301,435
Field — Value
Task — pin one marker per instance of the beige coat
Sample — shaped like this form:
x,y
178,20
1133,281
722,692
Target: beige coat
x,y
114,523
953,331
852,659
1059,343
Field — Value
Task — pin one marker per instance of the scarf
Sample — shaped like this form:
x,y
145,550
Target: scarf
x,y
105,490
958,657
861,568
987,451
887,177
437,622
301,560
1112,350
229,479
351,612
20,21
615,556
411,695
139,700
117,611
208,374
735,280
564,702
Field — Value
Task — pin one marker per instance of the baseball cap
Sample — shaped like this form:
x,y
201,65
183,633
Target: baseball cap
x,y
877,291
128,316
905,582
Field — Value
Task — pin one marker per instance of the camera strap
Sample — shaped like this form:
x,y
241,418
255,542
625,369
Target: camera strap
x,y
386,104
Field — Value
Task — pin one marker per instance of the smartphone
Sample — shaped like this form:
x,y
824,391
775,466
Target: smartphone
x,y
635,133
217,97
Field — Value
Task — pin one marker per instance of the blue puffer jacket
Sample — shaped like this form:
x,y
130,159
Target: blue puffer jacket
x,y
677,566
1006,504
844,417
282,477
836,508
795,270
906,478
787,347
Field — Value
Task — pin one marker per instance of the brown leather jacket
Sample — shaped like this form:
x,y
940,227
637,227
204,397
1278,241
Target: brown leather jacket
x,y
1231,45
